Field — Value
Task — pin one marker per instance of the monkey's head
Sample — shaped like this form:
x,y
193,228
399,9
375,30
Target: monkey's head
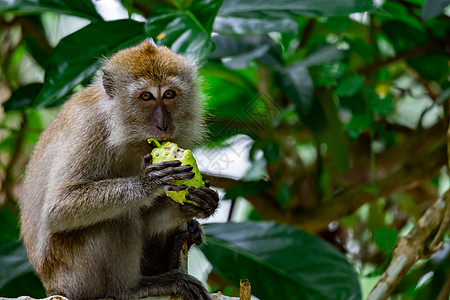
x,y
153,93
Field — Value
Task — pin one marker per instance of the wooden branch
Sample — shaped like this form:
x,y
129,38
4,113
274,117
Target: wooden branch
x,y
412,173
410,249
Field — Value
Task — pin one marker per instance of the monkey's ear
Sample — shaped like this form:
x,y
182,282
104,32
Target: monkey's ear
x,y
108,82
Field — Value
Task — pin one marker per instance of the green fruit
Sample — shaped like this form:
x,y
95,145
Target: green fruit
x,y
167,151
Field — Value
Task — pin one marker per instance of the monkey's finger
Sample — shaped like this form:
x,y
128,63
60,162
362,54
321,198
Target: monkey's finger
x,y
204,209
207,194
174,188
171,171
204,189
195,232
182,169
163,165
173,177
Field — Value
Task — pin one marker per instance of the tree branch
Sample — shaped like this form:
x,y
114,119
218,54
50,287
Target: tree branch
x,y
409,249
416,170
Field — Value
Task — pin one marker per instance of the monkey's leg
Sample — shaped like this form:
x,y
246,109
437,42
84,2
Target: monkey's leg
x,y
157,259
192,235
173,282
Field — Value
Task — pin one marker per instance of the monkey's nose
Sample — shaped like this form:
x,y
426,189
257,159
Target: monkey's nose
x,y
164,128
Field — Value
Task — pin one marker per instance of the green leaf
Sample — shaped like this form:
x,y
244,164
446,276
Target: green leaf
x,y
349,85
432,65
432,8
302,266
358,46
375,220
72,62
247,188
79,8
22,97
187,31
284,194
404,36
323,121
288,8
272,151
244,26
14,262
297,85
233,91
357,124
377,105
240,51
9,231
26,284
385,238
323,55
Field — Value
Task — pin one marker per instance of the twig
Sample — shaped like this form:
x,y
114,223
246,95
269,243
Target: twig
x,y
245,292
4,185
410,249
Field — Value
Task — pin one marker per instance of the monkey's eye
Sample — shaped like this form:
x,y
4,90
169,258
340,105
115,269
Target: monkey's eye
x,y
169,94
146,96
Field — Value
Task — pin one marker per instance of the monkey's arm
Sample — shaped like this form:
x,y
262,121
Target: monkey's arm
x,y
87,203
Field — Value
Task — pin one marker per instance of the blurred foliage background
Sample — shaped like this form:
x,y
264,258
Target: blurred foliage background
x,y
336,110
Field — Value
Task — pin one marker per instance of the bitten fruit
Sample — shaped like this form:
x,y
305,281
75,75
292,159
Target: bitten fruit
x,y
167,151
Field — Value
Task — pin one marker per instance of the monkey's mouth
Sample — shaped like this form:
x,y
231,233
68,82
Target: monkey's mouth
x,y
152,145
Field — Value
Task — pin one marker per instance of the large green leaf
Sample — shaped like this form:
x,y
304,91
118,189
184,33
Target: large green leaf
x,y
404,36
281,262
79,8
13,262
9,231
297,85
246,26
22,97
72,61
239,52
290,8
186,31
432,8
247,188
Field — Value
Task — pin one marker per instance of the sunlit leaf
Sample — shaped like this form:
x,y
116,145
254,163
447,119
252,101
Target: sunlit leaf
x,y
432,8
72,61
79,8
289,8
302,266
248,26
239,52
186,31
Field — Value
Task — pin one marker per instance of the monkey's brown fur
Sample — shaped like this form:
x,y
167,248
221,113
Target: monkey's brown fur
x,y
94,219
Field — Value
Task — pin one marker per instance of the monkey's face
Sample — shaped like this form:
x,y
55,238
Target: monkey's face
x,y
155,95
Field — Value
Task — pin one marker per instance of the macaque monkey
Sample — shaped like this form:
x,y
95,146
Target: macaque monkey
x,y
94,217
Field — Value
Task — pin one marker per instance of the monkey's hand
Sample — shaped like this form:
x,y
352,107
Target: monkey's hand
x,y
165,172
177,283
192,235
206,198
